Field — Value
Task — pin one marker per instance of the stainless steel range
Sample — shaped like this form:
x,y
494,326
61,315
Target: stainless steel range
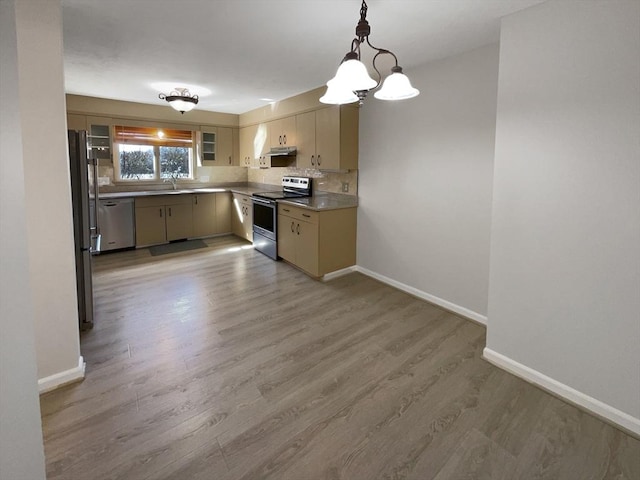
x,y
265,213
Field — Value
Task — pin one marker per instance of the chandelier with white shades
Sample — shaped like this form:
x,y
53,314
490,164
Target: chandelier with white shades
x,y
352,81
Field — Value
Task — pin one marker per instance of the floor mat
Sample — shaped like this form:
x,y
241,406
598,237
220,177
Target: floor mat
x,y
177,247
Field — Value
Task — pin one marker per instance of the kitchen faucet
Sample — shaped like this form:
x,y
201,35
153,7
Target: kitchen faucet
x,y
173,179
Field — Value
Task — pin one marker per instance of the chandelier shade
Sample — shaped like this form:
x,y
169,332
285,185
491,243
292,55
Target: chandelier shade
x,y
338,94
396,87
352,75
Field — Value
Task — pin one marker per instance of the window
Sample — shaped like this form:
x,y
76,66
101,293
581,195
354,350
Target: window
x,y
147,153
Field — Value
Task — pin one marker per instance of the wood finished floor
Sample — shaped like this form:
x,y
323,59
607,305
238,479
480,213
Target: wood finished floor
x,y
222,364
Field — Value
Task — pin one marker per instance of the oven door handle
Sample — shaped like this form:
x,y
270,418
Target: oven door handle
x,y
263,202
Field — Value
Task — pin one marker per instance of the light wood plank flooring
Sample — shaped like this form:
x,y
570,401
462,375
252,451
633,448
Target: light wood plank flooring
x,y
222,364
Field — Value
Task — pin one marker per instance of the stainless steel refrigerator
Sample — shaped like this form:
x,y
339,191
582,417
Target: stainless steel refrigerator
x,y
84,193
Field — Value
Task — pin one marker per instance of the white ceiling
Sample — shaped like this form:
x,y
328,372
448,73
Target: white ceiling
x,y
244,50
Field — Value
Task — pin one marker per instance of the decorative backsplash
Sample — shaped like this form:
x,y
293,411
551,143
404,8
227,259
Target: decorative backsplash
x,y
322,181
211,176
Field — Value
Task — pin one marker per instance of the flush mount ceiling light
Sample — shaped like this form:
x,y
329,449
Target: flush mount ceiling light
x,y
352,81
180,99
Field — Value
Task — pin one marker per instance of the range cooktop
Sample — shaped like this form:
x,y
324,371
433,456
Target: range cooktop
x,y
292,187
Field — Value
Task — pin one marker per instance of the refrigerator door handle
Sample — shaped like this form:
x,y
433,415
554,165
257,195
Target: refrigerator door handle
x,y
96,240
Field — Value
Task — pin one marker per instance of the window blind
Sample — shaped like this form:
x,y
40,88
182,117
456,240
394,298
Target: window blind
x,y
167,137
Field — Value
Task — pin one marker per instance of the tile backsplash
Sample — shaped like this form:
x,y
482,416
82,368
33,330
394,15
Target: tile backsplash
x,y
322,181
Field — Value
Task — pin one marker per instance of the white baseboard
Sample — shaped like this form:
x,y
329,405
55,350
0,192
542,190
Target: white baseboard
x,y
338,273
464,312
606,412
57,380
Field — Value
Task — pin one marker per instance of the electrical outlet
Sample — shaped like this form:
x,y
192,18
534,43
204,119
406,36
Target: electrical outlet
x,y
345,187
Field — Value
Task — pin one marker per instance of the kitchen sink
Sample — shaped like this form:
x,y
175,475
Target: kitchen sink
x,y
173,192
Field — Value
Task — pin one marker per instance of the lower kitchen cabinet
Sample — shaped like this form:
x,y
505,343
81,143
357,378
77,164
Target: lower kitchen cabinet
x,y
204,214
317,242
150,225
242,216
223,213
163,218
211,214
179,220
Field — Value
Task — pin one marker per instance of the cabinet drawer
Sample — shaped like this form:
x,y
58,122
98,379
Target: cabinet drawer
x,y
298,213
244,199
159,200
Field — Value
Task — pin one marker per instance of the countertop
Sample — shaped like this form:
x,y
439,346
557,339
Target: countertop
x,y
324,201
243,189
256,188
318,202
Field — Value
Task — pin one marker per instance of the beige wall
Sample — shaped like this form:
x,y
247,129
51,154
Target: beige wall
x,y
565,258
425,182
47,187
21,450
303,102
116,108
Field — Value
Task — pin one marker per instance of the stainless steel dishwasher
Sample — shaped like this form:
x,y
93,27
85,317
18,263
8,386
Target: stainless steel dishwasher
x,y
116,223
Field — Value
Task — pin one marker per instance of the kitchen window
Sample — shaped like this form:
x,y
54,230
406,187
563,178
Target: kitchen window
x,y
150,153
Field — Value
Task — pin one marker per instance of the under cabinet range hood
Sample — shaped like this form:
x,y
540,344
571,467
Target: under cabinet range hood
x,y
282,152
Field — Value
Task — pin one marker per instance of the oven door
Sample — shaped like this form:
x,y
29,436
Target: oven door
x,y
265,217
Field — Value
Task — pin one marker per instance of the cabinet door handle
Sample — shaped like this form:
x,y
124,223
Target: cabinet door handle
x,y
160,212
319,160
169,211
196,197
286,210
313,159
292,226
229,159
305,215
284,139
298,229
280,139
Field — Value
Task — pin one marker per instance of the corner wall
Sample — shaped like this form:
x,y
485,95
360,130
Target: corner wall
x,y
564,297
48,191
21,450
425,180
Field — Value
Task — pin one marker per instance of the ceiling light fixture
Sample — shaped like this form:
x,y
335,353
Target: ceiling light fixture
x,y
352,81
180,99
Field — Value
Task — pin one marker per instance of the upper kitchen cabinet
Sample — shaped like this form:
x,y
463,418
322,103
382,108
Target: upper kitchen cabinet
x,y
328,138
76,122
254,146
235,146
282,132
247,135
99,137
306,139
209,143
337,138
217,146
225,147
